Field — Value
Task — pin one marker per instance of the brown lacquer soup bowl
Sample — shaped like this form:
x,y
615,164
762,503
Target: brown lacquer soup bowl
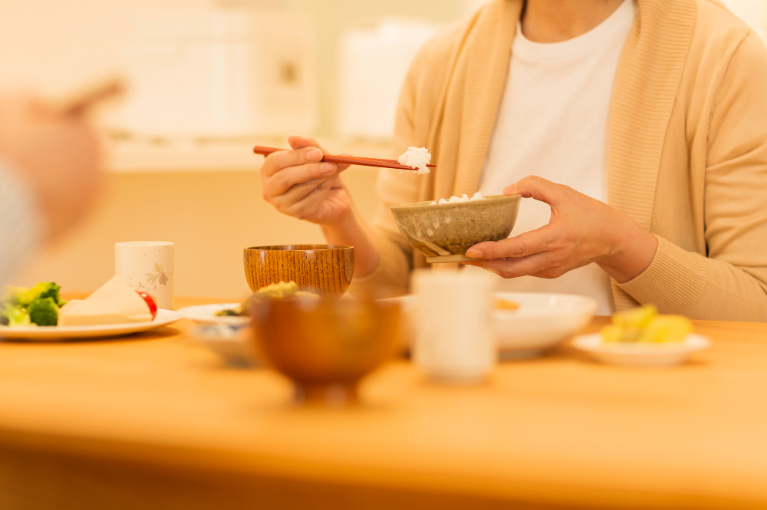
x,y
325,346
322,269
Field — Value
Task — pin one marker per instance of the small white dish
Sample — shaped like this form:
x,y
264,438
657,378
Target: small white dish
x,y
541,322
52,333
641,354
206,314
232,343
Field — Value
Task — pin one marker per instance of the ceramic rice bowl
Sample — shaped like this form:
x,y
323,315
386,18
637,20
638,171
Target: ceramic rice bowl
x,y
443,232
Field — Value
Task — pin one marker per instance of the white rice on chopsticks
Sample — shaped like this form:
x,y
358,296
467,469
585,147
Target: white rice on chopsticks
x,y
416,158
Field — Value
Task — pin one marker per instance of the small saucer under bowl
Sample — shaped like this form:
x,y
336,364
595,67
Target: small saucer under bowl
x,y
206,314
641,354
233,343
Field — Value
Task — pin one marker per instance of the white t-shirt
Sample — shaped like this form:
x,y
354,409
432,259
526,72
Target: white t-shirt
x,y
553,123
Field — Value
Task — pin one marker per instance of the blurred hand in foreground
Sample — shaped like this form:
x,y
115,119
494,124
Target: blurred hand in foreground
x,y
582,230
298,184
57,155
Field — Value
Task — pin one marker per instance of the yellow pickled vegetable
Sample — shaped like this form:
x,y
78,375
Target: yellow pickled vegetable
x,y
278,290
644,325
666,329
272,291
612,333
636,317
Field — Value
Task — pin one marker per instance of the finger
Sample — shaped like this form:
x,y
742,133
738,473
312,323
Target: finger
x,y
312,202
537,188
301,142
18,106
293,176
299,192
17,99
529,243
307,206
341,168
533,265
281,160
494,266
38,107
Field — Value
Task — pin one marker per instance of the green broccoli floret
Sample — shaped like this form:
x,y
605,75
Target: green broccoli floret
x,y
41,291
9,304
44,312
18,316
28,307
11,296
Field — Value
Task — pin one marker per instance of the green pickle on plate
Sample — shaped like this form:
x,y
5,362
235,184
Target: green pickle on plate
x,y
644,325
281,290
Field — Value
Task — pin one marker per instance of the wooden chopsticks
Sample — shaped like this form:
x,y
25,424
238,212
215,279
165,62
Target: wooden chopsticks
x,y
351,160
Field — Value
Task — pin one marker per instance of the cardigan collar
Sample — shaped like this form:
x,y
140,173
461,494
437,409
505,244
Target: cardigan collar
x,y
469,99
646,84
646,87
485,81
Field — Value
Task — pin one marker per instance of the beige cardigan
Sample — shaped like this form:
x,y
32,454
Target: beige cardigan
x,y
687,152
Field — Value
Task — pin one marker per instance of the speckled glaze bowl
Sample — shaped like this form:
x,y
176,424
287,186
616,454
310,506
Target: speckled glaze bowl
x,y
443,232
323,269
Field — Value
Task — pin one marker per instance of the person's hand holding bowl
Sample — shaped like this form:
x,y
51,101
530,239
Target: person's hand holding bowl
x,y
582,230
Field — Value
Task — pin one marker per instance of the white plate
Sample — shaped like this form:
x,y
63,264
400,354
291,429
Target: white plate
x,y
541,322
223,339
641,354
206,314
46,333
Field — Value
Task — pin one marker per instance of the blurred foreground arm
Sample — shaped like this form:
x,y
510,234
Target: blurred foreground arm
x,y
49,176
21,225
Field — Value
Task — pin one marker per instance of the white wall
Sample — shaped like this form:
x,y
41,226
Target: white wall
x,y
56,46
753,12
472,5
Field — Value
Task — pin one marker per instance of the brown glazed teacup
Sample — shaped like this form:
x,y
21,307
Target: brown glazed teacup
x,y
323,269
325,346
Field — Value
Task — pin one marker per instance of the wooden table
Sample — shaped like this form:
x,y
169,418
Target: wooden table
x,y
155,421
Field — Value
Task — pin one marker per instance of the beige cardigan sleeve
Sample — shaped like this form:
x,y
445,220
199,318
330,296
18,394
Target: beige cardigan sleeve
x,y
731,282
392,276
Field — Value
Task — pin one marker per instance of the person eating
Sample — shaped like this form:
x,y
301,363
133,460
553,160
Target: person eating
x,y
636,128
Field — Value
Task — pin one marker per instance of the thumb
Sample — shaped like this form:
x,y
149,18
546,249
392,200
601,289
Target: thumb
x,y
300,142
342,167
536,188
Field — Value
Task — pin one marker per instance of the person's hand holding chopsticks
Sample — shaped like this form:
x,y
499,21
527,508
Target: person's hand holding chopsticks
x,y
297,183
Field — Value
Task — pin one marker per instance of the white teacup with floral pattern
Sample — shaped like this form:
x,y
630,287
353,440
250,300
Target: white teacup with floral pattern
x,y
147,266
